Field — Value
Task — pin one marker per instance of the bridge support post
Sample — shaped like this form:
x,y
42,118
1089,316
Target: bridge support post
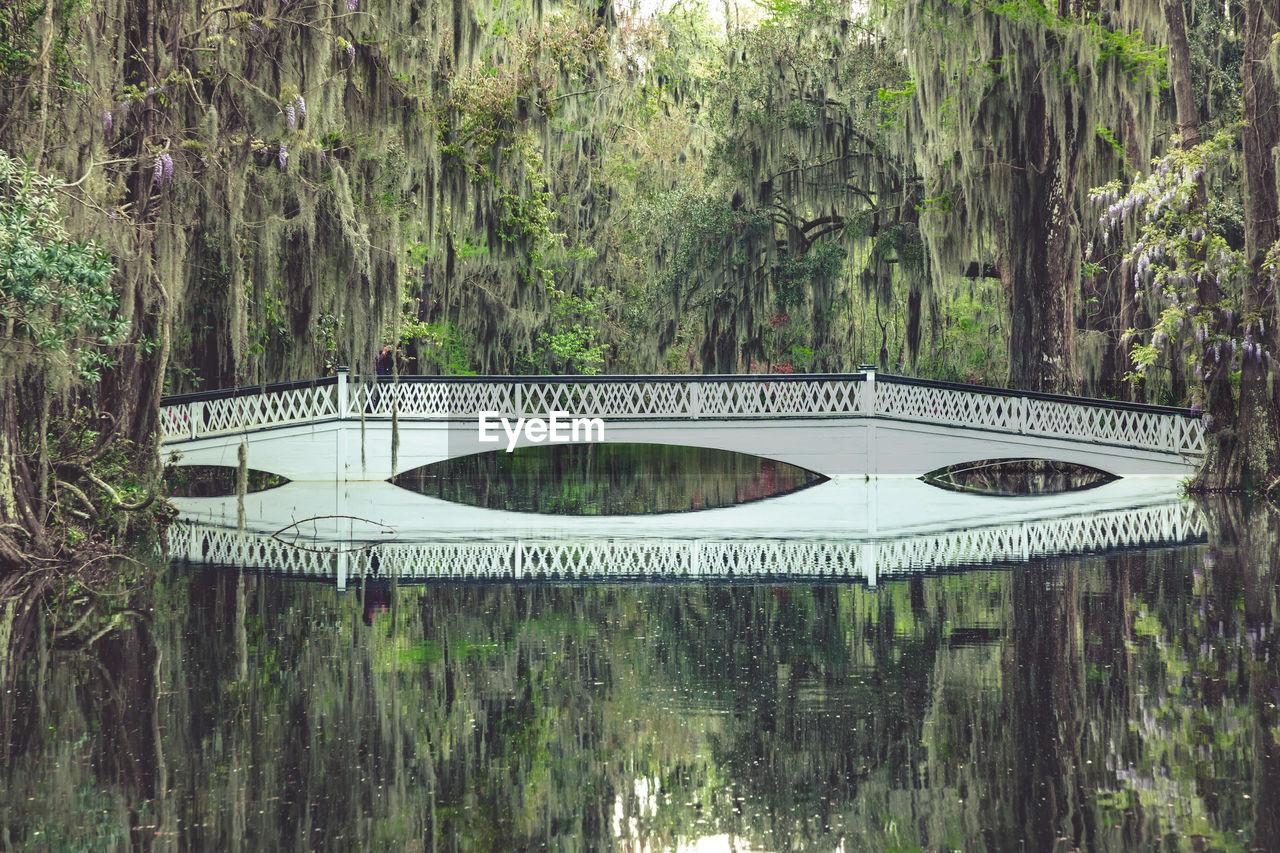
x,y
340,435
869,405
869,568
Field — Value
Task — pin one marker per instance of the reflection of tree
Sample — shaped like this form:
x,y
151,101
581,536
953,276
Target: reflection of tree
x,y
606,479
1104,703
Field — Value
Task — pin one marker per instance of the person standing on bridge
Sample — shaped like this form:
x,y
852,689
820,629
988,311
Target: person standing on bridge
x,y
382,362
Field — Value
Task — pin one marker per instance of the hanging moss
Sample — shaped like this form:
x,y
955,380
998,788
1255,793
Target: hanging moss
x,y
1001,124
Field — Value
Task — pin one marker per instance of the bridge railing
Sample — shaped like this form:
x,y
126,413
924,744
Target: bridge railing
x,y
1162,428
1143,527
616,396
1159,428
184,416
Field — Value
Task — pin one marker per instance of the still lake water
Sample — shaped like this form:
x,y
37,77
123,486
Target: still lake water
x,y
1123,700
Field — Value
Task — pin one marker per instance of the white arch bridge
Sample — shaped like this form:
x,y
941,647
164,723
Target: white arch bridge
x,y
838,425
868,559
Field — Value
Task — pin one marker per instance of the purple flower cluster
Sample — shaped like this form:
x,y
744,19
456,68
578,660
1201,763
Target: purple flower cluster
x,y
283,156
295,111
1252,347
351,51
108,121
352,5
163,170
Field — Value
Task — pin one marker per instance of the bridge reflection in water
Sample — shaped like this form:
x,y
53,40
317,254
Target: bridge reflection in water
x,y
864,559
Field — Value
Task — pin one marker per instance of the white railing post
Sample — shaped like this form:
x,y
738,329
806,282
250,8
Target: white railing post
x,y
344,401
196,414
1024,414
869,388
695,399
517,396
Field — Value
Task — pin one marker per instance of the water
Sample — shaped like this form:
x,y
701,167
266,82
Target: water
x,y
1119,696
607,479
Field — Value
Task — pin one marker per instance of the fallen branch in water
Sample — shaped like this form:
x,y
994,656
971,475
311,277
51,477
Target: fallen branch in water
x,y
276,536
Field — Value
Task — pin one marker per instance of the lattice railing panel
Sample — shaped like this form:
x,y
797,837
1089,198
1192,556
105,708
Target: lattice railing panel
x,y
947,405
608,399
248,411
176,421
813,397
425,399
1150,430
782,559
440,560
674,398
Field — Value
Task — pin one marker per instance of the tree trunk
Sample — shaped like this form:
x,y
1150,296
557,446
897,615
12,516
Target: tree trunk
x,y
1244,455
1040,256
21,534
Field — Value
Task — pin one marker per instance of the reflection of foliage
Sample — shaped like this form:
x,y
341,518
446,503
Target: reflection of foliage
x,y
207,481
786,716
606,479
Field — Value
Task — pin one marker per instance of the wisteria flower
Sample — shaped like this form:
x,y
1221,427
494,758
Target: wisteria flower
x,y
284,156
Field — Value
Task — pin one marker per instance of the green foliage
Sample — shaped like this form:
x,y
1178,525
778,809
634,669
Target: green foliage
x,y
1109,137
794,274
271,332
572,341
56,291
19,46
1136,55
892,101
441,344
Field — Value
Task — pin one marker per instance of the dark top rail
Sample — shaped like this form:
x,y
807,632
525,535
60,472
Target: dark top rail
x,y
1096,402
246,390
